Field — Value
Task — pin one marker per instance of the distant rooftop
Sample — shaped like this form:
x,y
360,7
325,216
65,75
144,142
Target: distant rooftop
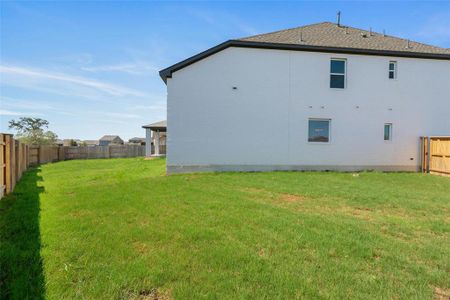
x,y
109,137
136,139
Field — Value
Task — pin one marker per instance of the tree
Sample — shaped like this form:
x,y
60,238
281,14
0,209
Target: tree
x,y
31,131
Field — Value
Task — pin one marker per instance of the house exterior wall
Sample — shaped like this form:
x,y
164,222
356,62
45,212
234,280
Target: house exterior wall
x,y
263,123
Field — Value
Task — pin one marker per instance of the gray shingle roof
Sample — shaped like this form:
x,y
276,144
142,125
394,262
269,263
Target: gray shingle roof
x,y
329,34
160,124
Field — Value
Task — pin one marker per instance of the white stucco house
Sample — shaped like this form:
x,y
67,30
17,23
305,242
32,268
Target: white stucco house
x,y
317,97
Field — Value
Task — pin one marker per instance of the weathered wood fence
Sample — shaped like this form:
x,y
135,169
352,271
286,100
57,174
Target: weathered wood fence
x,y
436,154
45,154
14,160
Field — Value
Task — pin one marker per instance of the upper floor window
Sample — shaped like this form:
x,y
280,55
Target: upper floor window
x,y
392,70
337,73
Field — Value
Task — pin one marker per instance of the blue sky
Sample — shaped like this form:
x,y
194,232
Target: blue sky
x,y
91,68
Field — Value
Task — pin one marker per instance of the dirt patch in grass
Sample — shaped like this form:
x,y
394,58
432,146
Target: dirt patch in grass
x,y
292,198
441,294
149,294
140,248
274,196
155,294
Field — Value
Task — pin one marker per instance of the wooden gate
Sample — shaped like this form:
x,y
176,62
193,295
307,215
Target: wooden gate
x,y
436,154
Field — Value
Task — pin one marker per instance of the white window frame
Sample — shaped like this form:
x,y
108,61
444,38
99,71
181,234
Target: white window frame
x,y
339,74
329,131
394,71
390,132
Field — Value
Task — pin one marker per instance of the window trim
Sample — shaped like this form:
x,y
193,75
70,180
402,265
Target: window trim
x,y
329,131
339,74
390,132
394,71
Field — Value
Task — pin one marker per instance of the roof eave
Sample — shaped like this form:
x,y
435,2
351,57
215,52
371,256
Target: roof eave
x,y
167,72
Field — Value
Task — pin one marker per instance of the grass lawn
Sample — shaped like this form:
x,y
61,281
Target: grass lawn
x,y
121,229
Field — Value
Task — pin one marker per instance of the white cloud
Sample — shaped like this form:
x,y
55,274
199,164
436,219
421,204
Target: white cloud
x,y
4,112
25,104
120,115
130,68
157,107
44,76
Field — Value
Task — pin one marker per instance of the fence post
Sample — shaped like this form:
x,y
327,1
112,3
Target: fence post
x,y
16,160
7,163
428,154
3,166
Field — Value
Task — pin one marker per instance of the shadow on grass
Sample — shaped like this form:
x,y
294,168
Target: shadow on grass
x,y
21,271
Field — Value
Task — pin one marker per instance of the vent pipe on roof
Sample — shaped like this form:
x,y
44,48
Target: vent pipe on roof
x,y
384,32
370,31
407,44
338,19
301,36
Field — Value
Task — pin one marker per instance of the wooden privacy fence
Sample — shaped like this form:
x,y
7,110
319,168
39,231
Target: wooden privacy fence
x,y
436,154
14,160
45,154
111,151
42,154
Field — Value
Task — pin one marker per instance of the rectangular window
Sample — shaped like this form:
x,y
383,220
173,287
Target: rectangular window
x,y
319,130
337,73
392,70
388,132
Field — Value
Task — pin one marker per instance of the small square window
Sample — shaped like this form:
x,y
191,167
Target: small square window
x,y
388,132
319,130
337,73
392,70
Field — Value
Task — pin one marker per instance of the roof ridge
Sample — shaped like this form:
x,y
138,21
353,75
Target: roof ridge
x,y
392,36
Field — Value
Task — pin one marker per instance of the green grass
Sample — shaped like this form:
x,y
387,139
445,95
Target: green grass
x,y
120,228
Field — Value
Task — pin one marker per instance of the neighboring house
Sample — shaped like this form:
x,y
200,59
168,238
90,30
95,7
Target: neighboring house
x,y
155,137
91,143
71,142
317,97
137,141
110,140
